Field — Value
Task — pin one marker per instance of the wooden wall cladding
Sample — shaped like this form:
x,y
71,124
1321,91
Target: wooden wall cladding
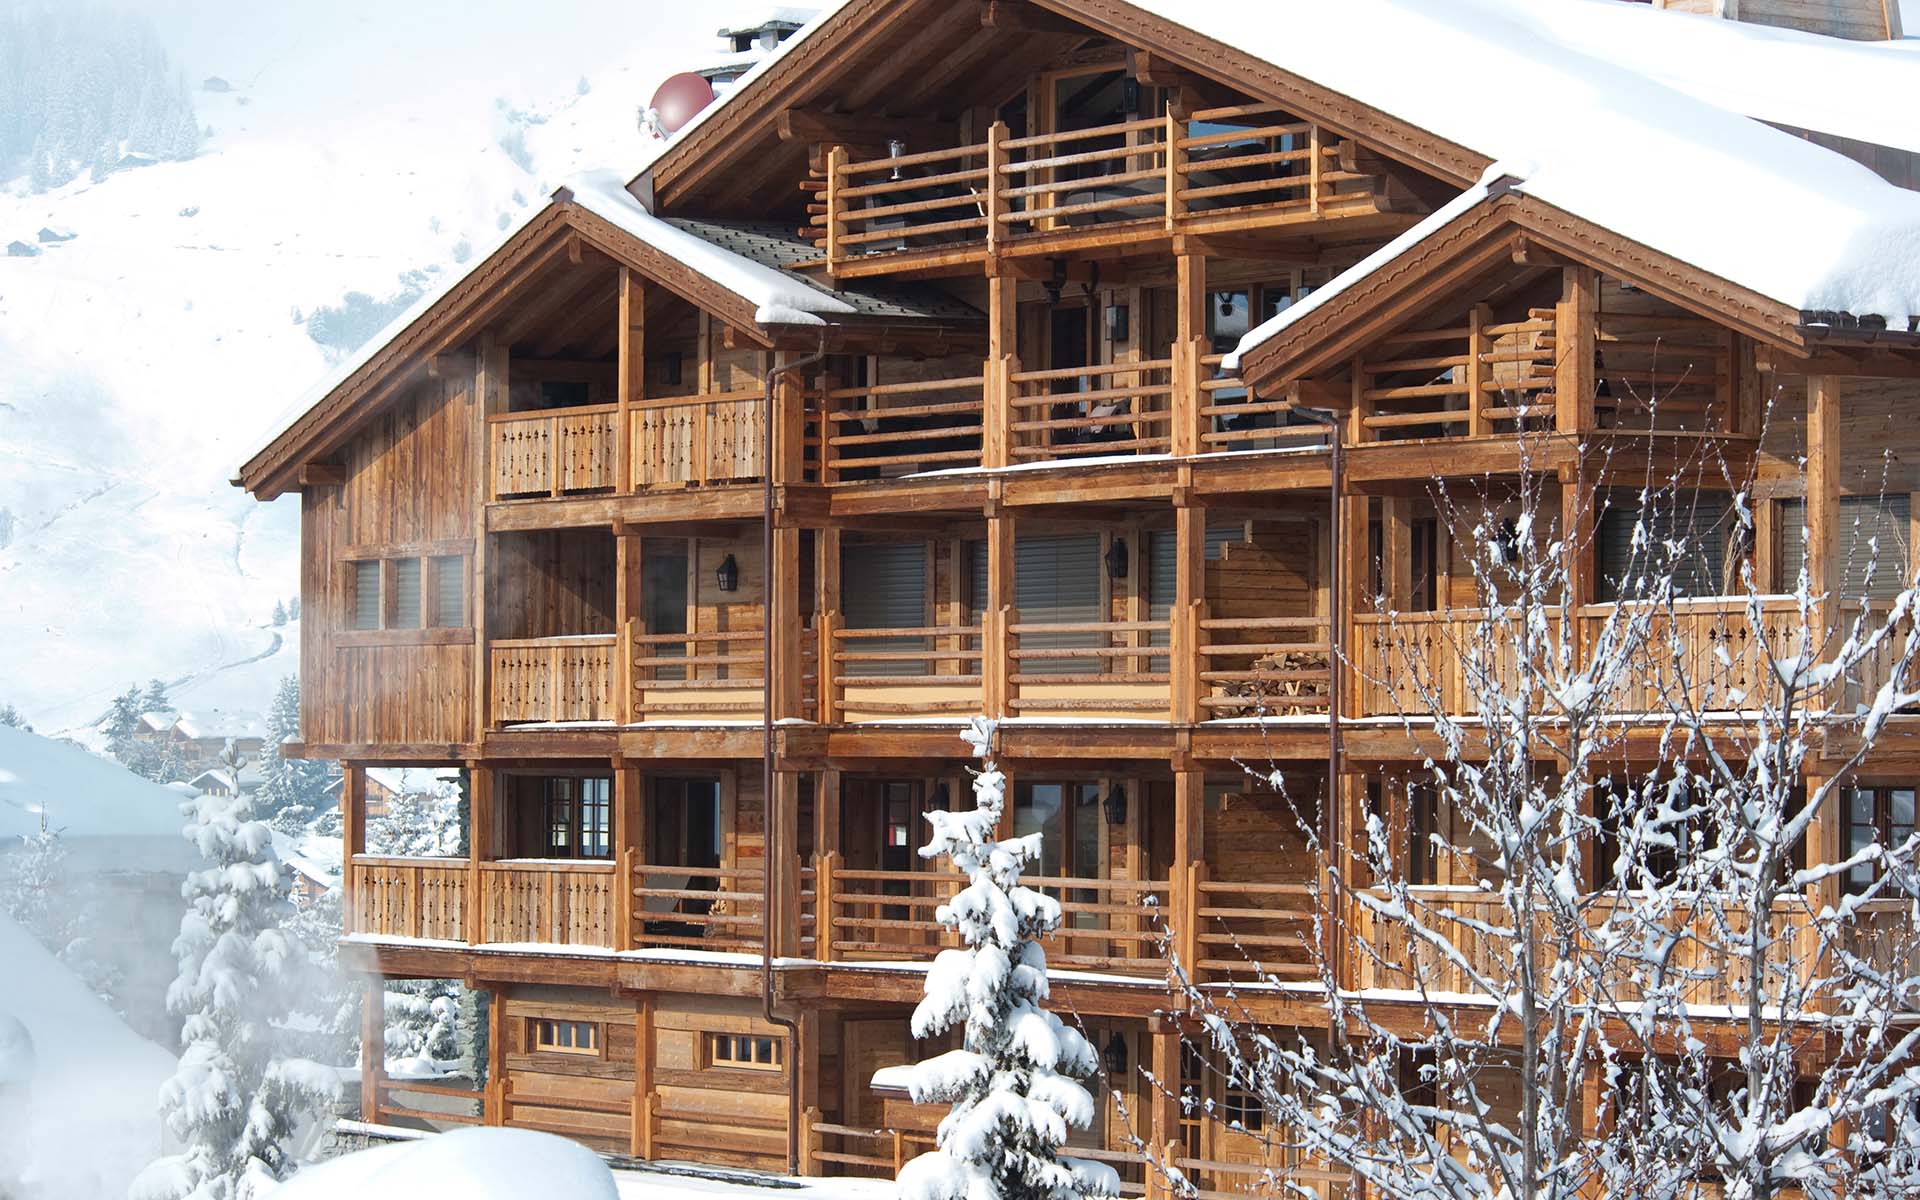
x,y
554,584
588,1097
409,493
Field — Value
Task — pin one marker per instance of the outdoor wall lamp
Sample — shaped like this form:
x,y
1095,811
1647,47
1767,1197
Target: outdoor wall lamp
x,y
727,574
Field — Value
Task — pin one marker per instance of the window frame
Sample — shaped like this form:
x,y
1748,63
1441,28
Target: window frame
x,y
550,1044
713,1042
1880,822
584,793
386,593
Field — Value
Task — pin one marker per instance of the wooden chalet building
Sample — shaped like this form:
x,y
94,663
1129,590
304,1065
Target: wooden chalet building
x,y
695,519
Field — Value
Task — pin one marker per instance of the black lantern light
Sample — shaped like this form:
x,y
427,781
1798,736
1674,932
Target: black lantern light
x,y
939,800
1116,805
1117,559
1117,323
727,574
1115,1055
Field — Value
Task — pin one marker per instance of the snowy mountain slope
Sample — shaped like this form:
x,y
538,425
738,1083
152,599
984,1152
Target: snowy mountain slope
x,y
142,360
92,1118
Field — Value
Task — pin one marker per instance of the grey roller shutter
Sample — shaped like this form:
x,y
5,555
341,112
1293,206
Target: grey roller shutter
x,y
1056,581
884,586
366,595
1874,562
1701,522
450,591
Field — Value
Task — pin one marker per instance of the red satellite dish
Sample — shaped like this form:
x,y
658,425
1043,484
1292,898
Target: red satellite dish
x,y
679,100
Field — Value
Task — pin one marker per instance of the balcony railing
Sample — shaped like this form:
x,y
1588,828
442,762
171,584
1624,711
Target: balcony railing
x,y
409,897
1078,412
700,440
553,679
882,673
1264,666
559,452
549,903
893,429
1089,668
1244,166
706,908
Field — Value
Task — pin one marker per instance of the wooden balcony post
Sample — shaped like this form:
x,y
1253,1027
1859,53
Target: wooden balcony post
x,y
493,1100
996,186
481,807
632,373
629,818
1823,499
1314,169
782,926
1189,346
1573,347
1176,181
826,610
1003,344
645,1043
373,1047
811,1141
783,609
1355,516
1478,318
1189,849
1396,551
353,840
836,216
1185,660
996,641
789,418
825,894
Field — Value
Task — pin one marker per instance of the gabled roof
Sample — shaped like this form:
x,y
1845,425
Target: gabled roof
x,y
734,274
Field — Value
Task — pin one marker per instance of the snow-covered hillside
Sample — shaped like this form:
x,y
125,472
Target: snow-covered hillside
x,y
92,1120
141,361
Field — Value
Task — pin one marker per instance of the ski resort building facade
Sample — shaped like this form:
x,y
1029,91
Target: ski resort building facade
x,y
912,381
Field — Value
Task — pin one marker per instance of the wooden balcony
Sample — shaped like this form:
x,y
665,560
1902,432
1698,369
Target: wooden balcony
x,y
676,443
889,673
554,679
548,902
409,897
1240,168
894,429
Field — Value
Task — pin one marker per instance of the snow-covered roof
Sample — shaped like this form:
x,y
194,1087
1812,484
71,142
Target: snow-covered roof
x,y
1611,143
308,856
404,781
81,794
1858,90
476,1164
213,723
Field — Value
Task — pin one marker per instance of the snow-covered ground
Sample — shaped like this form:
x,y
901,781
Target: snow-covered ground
x,y
142,361
94,1119
107,816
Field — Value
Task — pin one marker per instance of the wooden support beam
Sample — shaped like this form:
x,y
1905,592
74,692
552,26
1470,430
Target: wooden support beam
x,y
373,1044
783,610
490,393
814,125
493,1102
996,641
1355,518
482,807
1189,606
353,838
1189,346
641,1140
628,551
322,474
783,828
1396,551
1003,361
1018,16
1574,379
632,372
826,610
629,817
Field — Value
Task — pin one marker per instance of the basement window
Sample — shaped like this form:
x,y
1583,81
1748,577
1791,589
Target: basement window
x,y
743,1052
564,1037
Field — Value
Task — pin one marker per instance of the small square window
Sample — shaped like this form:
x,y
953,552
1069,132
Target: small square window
x,y
744,1052
564,1037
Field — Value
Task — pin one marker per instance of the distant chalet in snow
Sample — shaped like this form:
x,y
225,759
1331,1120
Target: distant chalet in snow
x,y
55,234
1025,481
213,83
19,249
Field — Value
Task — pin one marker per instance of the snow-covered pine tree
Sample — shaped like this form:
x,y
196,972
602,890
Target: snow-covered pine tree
x,y
155,699
12,719
122,719
1013,1084
30,879
292,791
332,1004
234,1101
419,824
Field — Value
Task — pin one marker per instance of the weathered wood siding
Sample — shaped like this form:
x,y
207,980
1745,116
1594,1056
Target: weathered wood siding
x,y
409,492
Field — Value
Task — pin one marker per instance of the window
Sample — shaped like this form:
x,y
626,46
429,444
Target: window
x,y
883,585
743,1052
1056,581
550,1036
579,816
449,592
1697,526
406,593
366,595
1873,545
1880,816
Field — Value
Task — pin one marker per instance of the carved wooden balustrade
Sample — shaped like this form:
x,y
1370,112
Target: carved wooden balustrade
x,y
567,903
676,442
553,453
553,679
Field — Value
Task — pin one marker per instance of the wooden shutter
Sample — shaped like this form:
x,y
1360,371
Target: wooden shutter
x,y
406,593
450,592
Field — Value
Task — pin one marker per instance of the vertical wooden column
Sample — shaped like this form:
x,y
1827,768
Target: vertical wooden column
x,y
1163,1038
493,1101
1573,375
1003,351
826,610
783,835
628,819
626,607
1825,832
996,186
490,385
1189,609
783,609
641,1139
1478,318
353,840
632,370
1356,516
481,822
789,417
1396,551
996,667
1189,346
1189,852
373,1047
